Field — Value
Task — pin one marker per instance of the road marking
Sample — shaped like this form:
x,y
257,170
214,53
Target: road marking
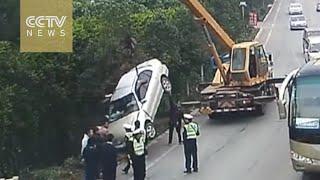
x,y
273,23
154,162
264,20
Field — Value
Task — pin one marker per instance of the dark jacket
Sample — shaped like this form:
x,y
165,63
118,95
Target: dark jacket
x,y
175,115
91,157
108,155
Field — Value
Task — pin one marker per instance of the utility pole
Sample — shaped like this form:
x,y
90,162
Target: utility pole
x,y
243,4
202,73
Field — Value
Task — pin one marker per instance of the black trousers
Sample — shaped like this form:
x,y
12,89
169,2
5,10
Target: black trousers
x,y
178,130
139,167
191,152
109,172
128,163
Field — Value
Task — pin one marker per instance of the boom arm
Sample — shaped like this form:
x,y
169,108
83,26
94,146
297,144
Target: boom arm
x,y
201,13
209,23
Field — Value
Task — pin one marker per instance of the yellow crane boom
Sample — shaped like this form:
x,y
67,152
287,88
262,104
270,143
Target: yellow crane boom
x,y
210,24
201,13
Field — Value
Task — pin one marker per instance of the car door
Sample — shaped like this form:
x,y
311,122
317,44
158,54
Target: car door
x,y
142,88
261,61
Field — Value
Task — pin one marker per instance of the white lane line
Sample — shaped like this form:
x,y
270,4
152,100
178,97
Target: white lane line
x,y
274,21
264,20
154,162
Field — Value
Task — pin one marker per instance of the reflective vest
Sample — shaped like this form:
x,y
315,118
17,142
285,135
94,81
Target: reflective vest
x,y
192,129
138,146
129,136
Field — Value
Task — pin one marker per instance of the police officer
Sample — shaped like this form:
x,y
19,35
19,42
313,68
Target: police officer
x,y
129,146
190,133
138,156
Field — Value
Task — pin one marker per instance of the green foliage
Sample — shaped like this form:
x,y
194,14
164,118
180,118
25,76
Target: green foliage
x,y
46,99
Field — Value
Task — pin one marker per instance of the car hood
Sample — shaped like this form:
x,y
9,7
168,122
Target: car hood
x,y
298,22
116,127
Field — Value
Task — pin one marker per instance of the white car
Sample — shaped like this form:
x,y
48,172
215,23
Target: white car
x,y
298,22
295,8
312,51
137,97
309,32
318,7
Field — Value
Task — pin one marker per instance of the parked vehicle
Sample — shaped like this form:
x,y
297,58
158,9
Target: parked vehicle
x,y
137,97
309,32
318,7
298,22
299,102
312,49
295,8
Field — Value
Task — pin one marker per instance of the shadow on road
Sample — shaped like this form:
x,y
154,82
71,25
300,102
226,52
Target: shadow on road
x,y
234,118
311,176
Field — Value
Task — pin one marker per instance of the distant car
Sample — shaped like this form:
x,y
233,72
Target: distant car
x,y
309,32
298,22
312,51
295,8
318,7
137,97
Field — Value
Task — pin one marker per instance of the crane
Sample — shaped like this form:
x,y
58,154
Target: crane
x,y
247,83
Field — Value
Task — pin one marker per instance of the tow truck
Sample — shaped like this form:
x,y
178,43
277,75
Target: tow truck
x,y
244,84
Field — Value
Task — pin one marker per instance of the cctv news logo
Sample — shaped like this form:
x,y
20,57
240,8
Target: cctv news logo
x,y
50,26
46,25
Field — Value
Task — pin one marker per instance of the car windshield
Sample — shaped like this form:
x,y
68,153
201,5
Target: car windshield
x,y
314,33
238,58
307,98
298,18
315,47
122,107
295,5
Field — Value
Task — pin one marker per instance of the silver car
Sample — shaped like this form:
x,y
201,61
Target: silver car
x,y
137,97
309,32
312,50
295,8
298,22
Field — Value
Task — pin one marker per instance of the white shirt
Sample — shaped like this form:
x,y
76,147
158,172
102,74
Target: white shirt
x,y
84,142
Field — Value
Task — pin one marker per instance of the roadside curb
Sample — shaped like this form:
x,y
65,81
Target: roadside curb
x,y
264,20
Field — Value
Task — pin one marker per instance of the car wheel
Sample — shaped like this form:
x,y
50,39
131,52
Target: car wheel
x,y
150,130
166,84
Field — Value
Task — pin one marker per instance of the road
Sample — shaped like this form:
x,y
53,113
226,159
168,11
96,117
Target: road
x,y
243,147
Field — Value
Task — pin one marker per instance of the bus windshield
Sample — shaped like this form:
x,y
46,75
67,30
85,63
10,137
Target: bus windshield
x,y
307,99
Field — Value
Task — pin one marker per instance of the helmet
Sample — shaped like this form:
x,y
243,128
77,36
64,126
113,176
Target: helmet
x,y
187,116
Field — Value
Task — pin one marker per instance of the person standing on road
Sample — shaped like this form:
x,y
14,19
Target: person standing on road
x,y
175,121
190,133
87,134
91,158
108,158
129,147
139,154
